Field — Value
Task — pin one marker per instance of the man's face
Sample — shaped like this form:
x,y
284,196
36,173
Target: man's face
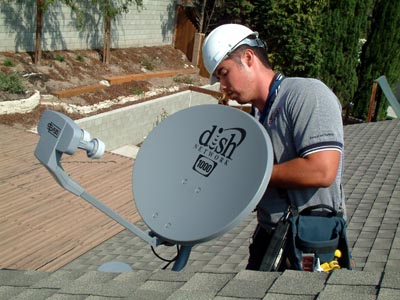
x,y
235,80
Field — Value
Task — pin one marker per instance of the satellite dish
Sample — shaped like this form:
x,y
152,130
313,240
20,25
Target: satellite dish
x,y
200,172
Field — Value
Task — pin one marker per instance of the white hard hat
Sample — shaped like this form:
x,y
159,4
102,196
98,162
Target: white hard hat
x,y
222,41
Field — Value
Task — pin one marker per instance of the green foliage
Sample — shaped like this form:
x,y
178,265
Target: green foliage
x,y
292,30
8,63
113,8
80,58
137,90
107,8
183,79
220,12
83,10
59,58
380,55
147,64
323,39
345,23
11,83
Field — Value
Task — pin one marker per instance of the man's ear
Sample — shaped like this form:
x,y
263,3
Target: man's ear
x,y
248,57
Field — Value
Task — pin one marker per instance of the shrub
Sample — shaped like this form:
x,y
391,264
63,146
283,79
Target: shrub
x,y
147,64
183,79
60,58
11,83
137,90
8,63
80,58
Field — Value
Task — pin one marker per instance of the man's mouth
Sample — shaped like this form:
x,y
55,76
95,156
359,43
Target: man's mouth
x,y
231,95
235,97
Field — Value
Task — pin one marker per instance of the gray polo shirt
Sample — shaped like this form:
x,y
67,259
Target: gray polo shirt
x,y
305,117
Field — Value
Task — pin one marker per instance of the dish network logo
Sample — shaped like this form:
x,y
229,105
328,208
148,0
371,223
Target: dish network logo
x,y
217,145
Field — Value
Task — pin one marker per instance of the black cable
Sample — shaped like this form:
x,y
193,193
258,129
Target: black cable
x,y
169,261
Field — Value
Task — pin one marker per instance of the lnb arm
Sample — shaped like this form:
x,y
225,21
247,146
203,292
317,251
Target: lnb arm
x,y
59,135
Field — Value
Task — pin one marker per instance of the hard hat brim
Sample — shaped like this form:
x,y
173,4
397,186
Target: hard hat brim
x,y
213,79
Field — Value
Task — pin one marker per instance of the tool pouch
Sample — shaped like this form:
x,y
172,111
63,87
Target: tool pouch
x,y
318,236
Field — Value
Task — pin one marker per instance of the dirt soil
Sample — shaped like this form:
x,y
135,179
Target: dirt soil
x,y
61,70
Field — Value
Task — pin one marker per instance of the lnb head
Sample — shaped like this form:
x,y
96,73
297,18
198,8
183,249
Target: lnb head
x,y
60,134
94,147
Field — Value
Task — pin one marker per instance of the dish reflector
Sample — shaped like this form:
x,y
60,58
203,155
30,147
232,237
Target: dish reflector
x,y
200,172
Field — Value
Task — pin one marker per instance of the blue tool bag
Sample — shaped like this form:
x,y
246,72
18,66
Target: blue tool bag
x,y
313,239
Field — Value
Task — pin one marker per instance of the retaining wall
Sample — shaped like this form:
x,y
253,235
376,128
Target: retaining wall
x,y
130,125
153,25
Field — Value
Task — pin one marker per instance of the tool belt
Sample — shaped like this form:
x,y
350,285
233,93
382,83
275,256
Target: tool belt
x,y
308,241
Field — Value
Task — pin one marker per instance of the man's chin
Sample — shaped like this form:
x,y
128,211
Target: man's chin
x,y
240,101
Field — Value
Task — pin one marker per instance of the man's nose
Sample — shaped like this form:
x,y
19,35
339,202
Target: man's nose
x,y
223,87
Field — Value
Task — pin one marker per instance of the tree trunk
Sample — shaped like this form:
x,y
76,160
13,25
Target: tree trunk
x,y
107,40
39,26
203,9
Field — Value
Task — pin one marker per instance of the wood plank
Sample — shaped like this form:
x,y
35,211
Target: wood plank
x,y
67,93
78,90
44,227
150,75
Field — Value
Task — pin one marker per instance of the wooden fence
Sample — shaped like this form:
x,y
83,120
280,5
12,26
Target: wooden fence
x,y
185,39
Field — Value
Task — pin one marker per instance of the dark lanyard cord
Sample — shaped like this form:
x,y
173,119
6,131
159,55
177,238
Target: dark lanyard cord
x,y
271,96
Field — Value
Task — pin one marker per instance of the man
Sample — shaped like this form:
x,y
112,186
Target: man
x,y
302,117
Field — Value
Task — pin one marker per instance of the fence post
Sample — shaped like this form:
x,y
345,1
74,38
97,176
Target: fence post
x,y
371,107
198,41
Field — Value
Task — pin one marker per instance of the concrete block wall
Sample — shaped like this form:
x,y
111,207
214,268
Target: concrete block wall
x,y
130,125
152,25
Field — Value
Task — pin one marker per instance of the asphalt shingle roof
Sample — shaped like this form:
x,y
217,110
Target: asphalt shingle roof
x,y
216,269
165,284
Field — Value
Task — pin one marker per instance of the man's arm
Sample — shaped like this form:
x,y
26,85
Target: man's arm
x,y
318,169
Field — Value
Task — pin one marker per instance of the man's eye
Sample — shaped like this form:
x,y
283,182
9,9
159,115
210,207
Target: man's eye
x,y
223,72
